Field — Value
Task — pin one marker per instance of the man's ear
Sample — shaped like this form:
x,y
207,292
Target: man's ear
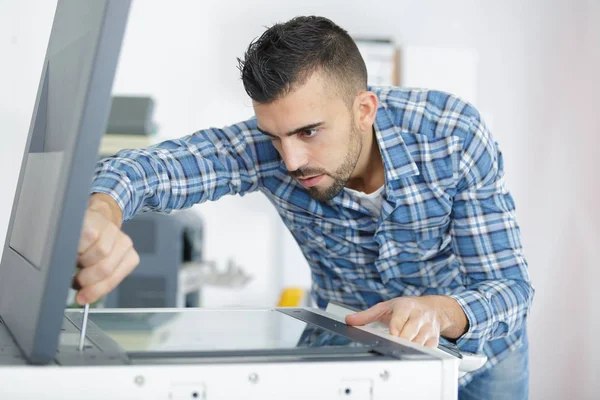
x,y
365,106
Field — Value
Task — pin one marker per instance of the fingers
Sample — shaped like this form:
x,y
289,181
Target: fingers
x,y
93,225
423,335
428,335
102,248
88,237
96,271
93,292
407,319
397,323
106,256
416,330
432,342
414,323
369,315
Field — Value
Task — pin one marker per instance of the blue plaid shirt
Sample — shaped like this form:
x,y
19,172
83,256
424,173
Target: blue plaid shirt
x,y
447,224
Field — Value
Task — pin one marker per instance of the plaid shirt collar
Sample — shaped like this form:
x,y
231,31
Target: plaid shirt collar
x,y
397,161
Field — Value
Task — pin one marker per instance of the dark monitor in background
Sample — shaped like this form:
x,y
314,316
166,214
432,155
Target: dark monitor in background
x,y
69,119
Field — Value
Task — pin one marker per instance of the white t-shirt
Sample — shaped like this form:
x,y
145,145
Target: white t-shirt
x,y
371,201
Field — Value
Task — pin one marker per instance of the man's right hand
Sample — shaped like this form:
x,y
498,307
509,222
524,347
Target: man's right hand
x,y
105,254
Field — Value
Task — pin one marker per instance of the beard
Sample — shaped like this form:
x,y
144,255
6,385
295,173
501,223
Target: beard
x,y
340,176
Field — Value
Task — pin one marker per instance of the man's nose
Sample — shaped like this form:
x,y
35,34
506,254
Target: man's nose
x,y
293,154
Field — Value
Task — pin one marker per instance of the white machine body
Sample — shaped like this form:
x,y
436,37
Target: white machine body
x,y
430,375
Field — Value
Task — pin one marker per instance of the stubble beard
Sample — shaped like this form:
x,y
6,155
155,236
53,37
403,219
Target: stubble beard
x,y
343,173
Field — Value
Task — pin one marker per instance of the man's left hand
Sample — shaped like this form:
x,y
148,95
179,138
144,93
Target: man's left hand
x,y
418,319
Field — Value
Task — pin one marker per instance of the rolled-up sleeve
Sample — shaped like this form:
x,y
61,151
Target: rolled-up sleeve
x,y
179,173
486,241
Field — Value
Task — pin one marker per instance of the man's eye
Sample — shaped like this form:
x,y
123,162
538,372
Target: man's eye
x,y
310,133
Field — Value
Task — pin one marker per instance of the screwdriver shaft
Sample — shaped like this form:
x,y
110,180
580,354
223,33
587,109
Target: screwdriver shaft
x,y
86,310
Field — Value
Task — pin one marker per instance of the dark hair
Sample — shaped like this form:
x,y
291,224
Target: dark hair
x,y
287,54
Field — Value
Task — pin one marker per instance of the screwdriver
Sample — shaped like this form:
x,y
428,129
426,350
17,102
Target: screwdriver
x,y
86,310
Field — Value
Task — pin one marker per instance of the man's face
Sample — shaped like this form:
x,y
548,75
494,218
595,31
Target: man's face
x,y
313,130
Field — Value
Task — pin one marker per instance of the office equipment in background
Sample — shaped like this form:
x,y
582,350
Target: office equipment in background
x,y
131,115
171,271
171,268
130,125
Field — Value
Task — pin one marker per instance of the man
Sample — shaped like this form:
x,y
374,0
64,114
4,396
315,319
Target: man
x,y
395,196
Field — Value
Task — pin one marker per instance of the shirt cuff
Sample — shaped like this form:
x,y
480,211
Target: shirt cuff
x,y
479,314
118,187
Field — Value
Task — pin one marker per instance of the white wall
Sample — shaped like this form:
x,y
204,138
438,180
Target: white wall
x,y
559,203
538,64
22,51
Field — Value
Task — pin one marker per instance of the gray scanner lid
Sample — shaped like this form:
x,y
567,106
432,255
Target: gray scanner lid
x,y
68,122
